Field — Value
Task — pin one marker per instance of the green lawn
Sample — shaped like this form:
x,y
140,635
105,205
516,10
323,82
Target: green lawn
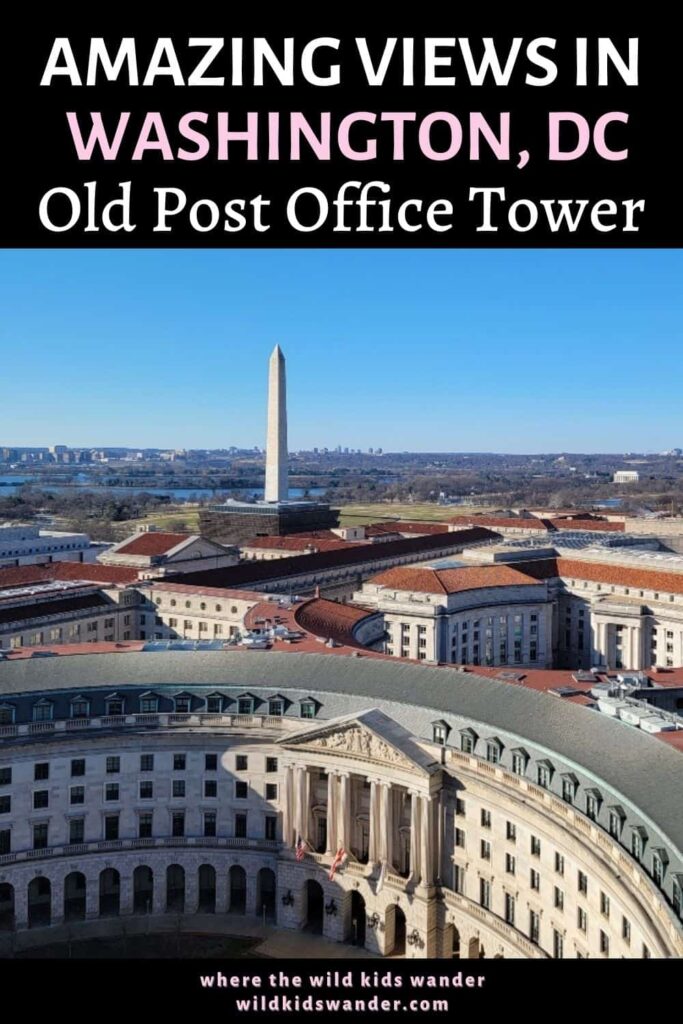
x,y
350,515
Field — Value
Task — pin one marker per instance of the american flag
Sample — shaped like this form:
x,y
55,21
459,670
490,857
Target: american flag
x,y
339,859
300,849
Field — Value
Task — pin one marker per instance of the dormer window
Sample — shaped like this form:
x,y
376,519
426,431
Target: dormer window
x,y
569,786
616,820
494,749
660,859
276,707
468,740
593,803
245,706
214,704
80,707
114,706
520,760
544,774
43,711
308,709
440,731
7,714
149,704
182,704
638,841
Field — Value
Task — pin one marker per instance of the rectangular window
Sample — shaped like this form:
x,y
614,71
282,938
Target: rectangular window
x,y
535,846
5,841
271,764
604,943
5,776
145,825
485,819
581,919
484,893
41,771
147,762
614,824
534,927
558,945
111,826
604,904
77,830
41,798
558,898
210,762
519,764
467,744
146,790
77,795
113,765
179,762
78,767
178,823
209,823
511,831
271,791
509,908
241,762
535,880
460,807
458,878
178,788
111,791
210,788
485,850
40,837
559,863
241,790
5,804
307,710
271,827
240,826
509,864
626,930
459,838
275,708
582,882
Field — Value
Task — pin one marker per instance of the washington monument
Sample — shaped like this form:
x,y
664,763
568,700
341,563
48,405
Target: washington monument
x,y
277,486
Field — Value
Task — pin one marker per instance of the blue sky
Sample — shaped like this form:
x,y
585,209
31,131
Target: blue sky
x,y
454,350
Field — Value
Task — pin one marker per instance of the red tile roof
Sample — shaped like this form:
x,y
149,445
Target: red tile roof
x,y
579,523
601,572
91,572
452,581
506,522
331,620
297,542
398,526
153,543
213,592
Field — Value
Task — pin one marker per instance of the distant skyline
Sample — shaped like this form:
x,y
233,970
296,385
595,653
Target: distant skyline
x,y
441,351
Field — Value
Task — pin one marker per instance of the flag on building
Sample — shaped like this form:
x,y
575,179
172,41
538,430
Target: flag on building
x,y
338,861
300,849
382,877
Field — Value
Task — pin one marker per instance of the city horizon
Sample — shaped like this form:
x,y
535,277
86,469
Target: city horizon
x,y
394,349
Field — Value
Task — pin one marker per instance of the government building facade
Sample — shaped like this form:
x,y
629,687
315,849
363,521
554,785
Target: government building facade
x,y
476,819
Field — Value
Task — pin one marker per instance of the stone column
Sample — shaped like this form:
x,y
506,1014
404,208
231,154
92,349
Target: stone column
x,y
414,836
426,841
159,892
440,811
301,803
221,890
126,897
20,905
191,889
287,804
374,840
344,815
386,816
331,813
92,896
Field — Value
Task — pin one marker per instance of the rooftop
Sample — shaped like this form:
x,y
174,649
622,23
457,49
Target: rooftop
x,y
152,543
647,773
428,580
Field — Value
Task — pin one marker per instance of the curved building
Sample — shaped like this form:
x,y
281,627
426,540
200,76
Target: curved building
x,y
478,818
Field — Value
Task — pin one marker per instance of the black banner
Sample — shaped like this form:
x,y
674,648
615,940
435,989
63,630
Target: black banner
x,y
233,132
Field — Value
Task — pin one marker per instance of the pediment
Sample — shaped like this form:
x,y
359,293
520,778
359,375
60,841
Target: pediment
x,y
371,736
